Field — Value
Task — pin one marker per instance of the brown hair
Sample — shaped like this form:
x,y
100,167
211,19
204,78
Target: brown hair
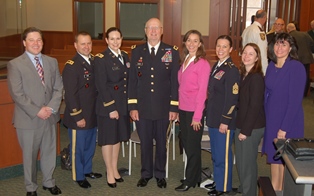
x,y
257,68
30,30
200,53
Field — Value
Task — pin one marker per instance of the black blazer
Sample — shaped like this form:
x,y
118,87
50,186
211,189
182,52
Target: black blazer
x,y
251,114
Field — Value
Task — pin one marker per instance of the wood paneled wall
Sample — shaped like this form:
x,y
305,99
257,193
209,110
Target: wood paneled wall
x,y
56,39
306,14
11,46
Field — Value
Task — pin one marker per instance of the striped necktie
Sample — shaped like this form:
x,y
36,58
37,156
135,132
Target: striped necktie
x,y
40,70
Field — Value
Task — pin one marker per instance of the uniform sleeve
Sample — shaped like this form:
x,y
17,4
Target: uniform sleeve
x,y
133,83
256,101
231,95
102,84
202,80
174,103
71,88
296,90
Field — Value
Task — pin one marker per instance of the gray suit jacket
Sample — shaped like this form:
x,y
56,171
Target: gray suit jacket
x,y
305,45
28,92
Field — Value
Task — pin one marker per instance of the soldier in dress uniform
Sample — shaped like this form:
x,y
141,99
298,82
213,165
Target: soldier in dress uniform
x,y
80,116
111,73
153,99
223,91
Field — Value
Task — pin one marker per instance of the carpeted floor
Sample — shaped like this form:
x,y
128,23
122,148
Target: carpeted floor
x,y
15,186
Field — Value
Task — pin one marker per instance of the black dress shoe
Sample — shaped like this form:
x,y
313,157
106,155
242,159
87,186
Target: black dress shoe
x,y
93,175
112,185
31,193
84,184
119,179
142,182
215,193
211,185
183,187
53,190
161,183
182,181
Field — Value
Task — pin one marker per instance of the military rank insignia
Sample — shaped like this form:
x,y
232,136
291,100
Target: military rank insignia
x,y
262,35
235,89
127,64
70,62
219,75
167,56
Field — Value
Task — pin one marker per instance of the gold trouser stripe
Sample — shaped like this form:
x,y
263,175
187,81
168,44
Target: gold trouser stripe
x,y
73,154
226,160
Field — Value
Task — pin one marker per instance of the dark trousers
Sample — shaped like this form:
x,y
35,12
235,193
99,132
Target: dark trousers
x,y
148,130
307,84
191,141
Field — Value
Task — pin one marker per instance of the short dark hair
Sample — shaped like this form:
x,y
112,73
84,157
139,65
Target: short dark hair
x,y
281,37
112,29
227,37
30,30
81,33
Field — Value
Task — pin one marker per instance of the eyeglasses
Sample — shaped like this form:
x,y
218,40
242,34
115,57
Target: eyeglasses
x,y
279,24
153,28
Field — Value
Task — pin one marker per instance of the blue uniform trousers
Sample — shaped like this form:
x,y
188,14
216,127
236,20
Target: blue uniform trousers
x,y
82,145
222,158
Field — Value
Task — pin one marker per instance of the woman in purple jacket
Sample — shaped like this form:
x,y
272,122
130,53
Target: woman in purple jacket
x,y
193,79
284,81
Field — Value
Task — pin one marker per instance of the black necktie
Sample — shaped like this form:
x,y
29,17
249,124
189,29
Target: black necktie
x,y
152,52
120,58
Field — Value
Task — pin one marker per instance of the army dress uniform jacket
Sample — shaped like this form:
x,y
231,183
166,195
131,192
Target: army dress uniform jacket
x,y
80,93
111,82
153,82
223,89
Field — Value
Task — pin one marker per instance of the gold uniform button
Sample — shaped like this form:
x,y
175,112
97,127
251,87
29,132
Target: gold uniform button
x,y
152,90
124,78
124,85
125,72
124,92
152,76
152,68
152,83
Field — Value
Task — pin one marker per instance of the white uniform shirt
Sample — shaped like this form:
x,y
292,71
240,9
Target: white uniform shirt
x,y
254,34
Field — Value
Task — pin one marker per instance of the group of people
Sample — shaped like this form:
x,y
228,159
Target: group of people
x,y
155,87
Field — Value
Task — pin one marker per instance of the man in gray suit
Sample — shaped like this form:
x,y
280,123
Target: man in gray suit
x,y
36,87
305,48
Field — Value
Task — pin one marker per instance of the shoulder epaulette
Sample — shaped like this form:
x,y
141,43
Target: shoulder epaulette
x,y
124,51
133,46
92,55
230,64
175,47
70,62
100,55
